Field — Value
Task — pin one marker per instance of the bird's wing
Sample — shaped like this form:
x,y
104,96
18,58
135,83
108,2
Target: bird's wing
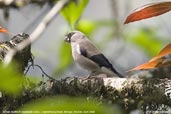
x,y
101,60
89,47
89,51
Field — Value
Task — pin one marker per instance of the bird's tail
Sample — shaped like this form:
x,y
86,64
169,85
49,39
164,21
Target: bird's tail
x,y
116,72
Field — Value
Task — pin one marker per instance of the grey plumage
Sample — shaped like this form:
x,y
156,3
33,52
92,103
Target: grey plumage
x,y
88,56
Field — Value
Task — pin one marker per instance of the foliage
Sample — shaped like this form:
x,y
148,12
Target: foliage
x,y
10,80
73,11
3,30
89,27
146,39
67,104
148,11
160,60
86,26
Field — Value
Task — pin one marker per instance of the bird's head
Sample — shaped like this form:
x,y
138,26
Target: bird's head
x,y
74,36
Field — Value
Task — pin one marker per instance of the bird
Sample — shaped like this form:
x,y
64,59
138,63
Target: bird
x,y
88,56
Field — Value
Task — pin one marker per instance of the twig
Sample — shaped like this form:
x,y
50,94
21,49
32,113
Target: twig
x,y
37,32
32,65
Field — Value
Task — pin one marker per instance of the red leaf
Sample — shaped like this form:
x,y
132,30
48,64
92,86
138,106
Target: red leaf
x,y
163,59
3,30
147,65
149,11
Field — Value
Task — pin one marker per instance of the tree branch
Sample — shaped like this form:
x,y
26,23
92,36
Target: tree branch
x,y
130,93
22,57
126,92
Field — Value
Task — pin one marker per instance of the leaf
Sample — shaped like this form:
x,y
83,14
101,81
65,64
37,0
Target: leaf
x,y
3,30
10,80
70,105
147,65
86,26
161,62
163,59
73,11
89,27
147,40
148,11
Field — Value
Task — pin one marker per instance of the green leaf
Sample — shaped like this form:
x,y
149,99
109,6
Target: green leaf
x,y
86,26
148,40
65,57
10,80
73,11
71,104
89,26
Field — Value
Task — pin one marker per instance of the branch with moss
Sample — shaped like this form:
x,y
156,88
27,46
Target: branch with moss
x,y
126,92
130,93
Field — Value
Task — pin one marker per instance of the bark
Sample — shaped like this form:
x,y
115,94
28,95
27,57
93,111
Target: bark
x,y
21,58
130,94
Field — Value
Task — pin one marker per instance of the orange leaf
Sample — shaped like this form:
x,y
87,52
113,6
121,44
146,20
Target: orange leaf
x,y
3,30
149,11
165,51
163,59
147,65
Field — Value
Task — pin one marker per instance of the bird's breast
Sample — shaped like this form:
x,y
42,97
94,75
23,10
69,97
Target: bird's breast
x,y
83,62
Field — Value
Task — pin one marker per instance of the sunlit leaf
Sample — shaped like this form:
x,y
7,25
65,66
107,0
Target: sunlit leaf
x,y
149,11
70,104
89,27
86,26
73,11
10,80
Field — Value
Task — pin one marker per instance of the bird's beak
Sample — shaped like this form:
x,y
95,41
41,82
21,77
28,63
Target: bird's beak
x,y
67,39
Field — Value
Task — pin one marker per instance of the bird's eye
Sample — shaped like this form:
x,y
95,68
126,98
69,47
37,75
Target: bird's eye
x,y
70,34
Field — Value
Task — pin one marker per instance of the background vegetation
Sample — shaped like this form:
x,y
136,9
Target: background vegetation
x,y
125,45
